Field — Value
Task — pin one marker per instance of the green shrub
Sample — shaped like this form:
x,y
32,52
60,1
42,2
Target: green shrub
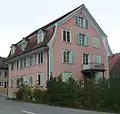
x,y
24,93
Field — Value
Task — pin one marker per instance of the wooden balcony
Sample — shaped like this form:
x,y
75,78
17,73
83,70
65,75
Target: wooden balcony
x,y
93,67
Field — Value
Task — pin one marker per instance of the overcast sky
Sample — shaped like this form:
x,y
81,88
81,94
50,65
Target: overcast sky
x,y
18,18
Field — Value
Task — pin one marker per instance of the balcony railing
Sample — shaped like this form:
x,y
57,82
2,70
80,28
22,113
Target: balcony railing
x,y
93,66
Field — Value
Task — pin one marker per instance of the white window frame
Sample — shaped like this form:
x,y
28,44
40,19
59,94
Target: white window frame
x,y
95,42
41,83
70,56
82,39
81,22
32,80
24,44
11,66
40,36
65,76
87,58
18,77
97,59
39,59
66,36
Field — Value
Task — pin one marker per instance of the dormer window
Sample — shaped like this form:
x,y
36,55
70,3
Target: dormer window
x,y
13,49
24,44
81,22
40,36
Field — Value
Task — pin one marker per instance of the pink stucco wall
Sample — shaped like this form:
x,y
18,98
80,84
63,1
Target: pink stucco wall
x,y
32,70
58,45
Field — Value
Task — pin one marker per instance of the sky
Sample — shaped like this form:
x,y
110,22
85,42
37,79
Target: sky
x,y
19,18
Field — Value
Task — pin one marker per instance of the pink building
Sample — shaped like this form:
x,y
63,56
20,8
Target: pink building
x,y
73,45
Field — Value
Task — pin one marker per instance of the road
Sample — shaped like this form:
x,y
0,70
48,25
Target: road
x,y
14,107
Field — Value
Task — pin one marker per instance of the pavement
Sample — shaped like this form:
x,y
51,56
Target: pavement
x,y
14,107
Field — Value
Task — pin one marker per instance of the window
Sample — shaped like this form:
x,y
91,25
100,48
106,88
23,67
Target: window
x,y
96,42
66,35
67,56
82,39
66,76
19,82
31,60
6,73
24,80
85,59
40,57
40,36
30,80
97,59
21,65
12,66
2,84
41,79
81,22
24,62
17,64
13,48
24,44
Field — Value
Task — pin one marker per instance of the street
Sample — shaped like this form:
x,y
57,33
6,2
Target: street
x,y
13,107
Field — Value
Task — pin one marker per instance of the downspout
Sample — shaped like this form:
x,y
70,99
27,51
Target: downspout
x,y
48,63
50,58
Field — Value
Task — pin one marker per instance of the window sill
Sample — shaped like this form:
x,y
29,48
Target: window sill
x,y
82,45
26,67
81,27
96,47
69,63
66,42
40,63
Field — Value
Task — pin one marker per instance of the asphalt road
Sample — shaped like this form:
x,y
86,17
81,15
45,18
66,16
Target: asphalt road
x,y
13,107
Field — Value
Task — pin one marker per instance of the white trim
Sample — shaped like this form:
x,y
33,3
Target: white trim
x,y
40,57
31,75
67,30
50,50
41,73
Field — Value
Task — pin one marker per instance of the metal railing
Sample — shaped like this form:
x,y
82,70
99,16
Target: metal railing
x,y
94,66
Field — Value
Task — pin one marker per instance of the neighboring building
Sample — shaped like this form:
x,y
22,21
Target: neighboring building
x,y
3,73
73,45
114,65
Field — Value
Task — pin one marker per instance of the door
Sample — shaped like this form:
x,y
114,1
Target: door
x,y
85,61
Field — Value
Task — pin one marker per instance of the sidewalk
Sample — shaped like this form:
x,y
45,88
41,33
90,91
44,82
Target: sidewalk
x,y
3,91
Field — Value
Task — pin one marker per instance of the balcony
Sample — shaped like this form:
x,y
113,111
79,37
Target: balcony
x,y
93,67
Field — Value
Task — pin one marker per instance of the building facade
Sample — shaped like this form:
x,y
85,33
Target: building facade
x,y
3,73
114,65
73,45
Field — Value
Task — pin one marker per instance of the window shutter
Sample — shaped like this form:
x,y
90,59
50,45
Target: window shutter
x,y
28,61
73,57
86,40
9,66
99,59
42,79
33,63
94,42
77,38
98,42
86,23
62,56
95,59
76,20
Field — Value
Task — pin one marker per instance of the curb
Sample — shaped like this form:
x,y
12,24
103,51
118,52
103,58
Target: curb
x,y
3,95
